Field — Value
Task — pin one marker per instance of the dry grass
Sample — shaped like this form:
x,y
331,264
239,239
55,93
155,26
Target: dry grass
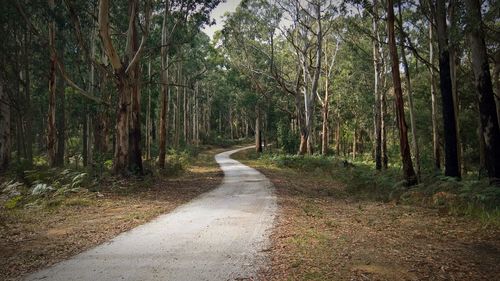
x,y
324,234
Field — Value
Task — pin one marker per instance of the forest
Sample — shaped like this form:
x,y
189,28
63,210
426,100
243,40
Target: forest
x,y
360,112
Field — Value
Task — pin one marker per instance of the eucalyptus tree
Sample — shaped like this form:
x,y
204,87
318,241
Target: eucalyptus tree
x,y
452,167
408,171
487,110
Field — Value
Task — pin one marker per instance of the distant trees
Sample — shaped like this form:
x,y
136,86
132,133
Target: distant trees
x,y
309,77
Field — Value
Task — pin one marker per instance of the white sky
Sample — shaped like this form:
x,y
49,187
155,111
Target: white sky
x,y
218,13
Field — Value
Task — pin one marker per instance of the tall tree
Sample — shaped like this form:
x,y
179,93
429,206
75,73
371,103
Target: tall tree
x,y
377,89
413,126
127,156
484,88
409,173
51,115
452,168
5,136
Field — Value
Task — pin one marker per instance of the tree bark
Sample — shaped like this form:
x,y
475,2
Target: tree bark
x,y
435,134
383,114
484,89
164,108
409,173
148,116
185,129
258,137
85,138
127,156
376,86
310,92
28,115
496,82
135,153
452,168
51,115
403,38
5,135
60,122
354,143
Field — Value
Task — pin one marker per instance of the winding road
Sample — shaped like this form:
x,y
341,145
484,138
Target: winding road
x,y
220,235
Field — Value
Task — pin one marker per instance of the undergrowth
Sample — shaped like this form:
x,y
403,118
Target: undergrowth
x,y
38,186
468,197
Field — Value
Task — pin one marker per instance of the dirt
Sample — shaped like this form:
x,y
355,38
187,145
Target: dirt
x,y
31,239
323,234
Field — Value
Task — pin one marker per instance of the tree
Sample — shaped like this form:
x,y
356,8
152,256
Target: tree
x,y
5,137
452,168
409,173
51,115
127,156
484,88
378,67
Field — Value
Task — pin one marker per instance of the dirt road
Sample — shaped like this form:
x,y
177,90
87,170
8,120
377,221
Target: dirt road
x,y
220,235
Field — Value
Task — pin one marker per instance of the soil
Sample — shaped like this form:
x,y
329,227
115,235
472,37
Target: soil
x,y
31,239
323,234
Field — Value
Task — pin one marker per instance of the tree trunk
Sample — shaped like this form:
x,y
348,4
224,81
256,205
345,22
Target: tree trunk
x,y
128,156
354,144
377,91
324,131
120,161
435,134
185,126
326,108
60,112
148,116
28,115
135,153
338,135
258,137
452,47
383,116
452,168
51,115
496,82
178,112
484,89
5,136
164,107
416,149
310,92
85,138
409,173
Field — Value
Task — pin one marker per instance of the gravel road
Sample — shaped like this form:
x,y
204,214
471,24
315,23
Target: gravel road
x,y
221,235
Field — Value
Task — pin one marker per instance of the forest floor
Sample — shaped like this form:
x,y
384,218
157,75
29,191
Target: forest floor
x,y
323,233
35,238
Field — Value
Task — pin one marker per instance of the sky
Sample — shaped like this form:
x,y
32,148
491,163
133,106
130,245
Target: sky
x,y
218,13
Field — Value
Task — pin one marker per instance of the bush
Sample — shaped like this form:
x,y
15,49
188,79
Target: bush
x,y
287,140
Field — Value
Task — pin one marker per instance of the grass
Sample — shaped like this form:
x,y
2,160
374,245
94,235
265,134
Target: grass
x,y
348,222
360,180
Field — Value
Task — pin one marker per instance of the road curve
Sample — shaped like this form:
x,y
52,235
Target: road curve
x,y
218,236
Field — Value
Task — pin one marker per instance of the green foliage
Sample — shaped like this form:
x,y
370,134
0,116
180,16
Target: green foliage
x,y
13,202
177,162
287,140
467,197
